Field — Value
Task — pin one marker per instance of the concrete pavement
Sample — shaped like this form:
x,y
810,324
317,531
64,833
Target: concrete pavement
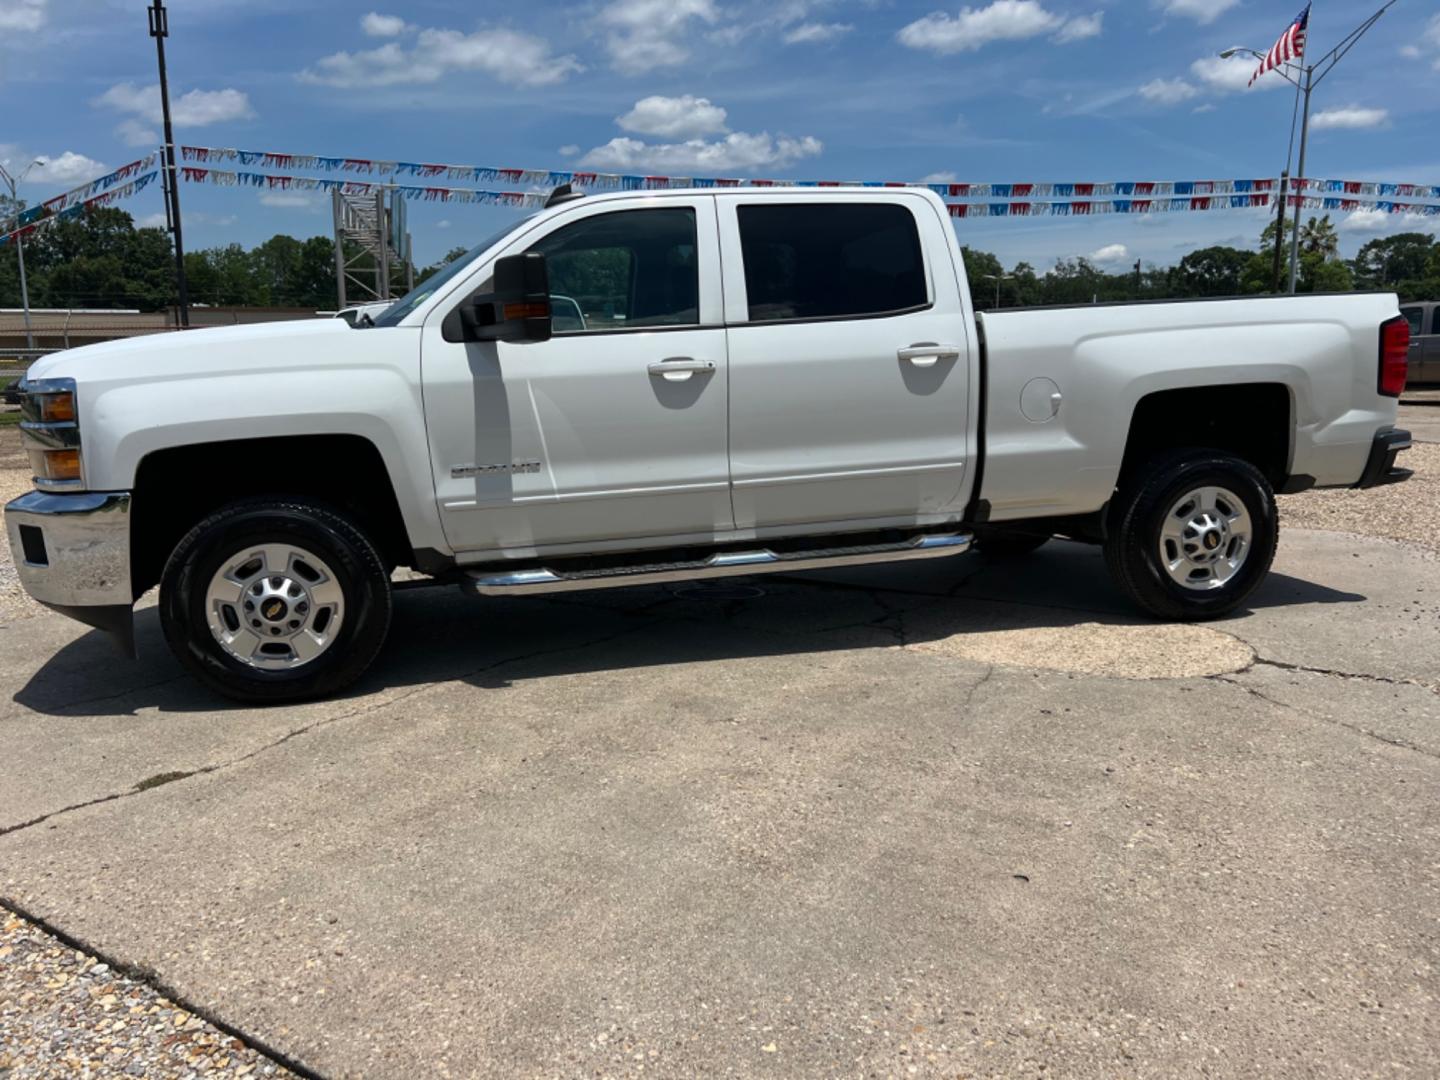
x,y
874,821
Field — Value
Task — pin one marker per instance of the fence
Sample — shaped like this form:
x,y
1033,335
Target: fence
x,y
53,329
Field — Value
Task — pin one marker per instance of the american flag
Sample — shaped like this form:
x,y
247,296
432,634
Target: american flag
x,y
1291,46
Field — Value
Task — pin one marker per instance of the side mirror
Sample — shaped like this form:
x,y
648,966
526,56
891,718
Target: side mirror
x,y
519,308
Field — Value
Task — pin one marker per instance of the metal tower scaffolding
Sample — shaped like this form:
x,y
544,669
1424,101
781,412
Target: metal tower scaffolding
x,y
372,247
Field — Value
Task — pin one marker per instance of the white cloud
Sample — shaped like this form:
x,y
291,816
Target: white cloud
x,y
68,168
814,32
1081,27
1232,75
1110,254
1167,91
443,223
154,221
569,150
643,35
1431,37
197,108
682,117
943,177
291,200
1411,52
1368,222
135,133
1202,11
1351,117
507,55
738,151
1001,20
377,25
21,15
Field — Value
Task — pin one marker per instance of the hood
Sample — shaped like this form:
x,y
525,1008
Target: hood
x,y
186,351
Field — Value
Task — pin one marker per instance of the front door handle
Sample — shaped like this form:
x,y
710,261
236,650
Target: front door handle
x,y
680,368
927,354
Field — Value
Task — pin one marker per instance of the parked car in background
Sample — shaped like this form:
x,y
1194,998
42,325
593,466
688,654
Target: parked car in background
x,y
1424,320
655,386
10,392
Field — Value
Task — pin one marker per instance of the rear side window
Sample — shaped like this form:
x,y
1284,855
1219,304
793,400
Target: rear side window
x,y
1435,320
830,260
1413,315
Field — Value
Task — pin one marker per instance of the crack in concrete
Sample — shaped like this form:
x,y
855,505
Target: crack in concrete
x,y
362,710
1387,740
1335,673
150,978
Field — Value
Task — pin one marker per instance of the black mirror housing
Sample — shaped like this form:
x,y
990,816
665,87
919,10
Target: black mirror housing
x,y
519,308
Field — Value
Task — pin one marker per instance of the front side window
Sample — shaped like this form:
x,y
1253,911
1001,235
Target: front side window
x,y
830,260
1413,317
632,269
1435,320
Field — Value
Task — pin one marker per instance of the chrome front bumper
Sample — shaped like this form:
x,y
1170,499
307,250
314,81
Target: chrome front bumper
x,y
72,553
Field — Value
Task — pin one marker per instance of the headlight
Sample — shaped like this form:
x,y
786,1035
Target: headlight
x,y
50,430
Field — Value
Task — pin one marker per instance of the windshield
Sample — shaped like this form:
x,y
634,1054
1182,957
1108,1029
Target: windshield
x,y
392,315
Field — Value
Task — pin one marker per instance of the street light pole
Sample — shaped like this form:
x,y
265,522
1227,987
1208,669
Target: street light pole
x,y
160,30
11,182
1306,78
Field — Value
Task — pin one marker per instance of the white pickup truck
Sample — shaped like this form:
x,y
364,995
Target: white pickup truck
x,y
641,387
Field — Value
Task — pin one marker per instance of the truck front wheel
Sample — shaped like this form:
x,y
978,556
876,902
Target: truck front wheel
x,y
1193,535
270,601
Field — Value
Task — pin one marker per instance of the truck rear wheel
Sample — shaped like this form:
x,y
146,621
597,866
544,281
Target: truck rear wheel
x,y
1193,535
271,601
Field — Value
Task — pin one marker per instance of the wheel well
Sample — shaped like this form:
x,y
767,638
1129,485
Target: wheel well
x,y
175,488
1250,420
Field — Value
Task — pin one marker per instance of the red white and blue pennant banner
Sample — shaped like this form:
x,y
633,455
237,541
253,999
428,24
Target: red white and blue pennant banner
x,y
550,178
1071,208
75,209
85,192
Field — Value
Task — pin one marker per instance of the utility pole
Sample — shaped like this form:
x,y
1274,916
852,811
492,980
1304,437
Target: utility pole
x,y
11,182
1305,79
160,30
1283,204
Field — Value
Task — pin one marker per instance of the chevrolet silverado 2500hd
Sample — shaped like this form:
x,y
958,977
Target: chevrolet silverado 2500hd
x,y
655,386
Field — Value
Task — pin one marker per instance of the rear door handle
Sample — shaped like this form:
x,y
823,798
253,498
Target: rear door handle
x,y
680,368
928,354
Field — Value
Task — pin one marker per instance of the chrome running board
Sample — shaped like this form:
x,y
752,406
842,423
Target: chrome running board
x,y
493,582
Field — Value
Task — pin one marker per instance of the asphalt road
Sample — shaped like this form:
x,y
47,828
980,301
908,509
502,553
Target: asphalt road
x,y
932,820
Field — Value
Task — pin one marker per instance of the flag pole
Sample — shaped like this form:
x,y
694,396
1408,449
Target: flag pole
x,y
1307,76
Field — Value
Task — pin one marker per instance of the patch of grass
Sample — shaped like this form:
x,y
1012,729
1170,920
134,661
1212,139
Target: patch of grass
x,y
9,418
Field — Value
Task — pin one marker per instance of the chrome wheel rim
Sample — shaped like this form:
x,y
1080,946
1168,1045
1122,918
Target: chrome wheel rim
x,y
274,606
1205,538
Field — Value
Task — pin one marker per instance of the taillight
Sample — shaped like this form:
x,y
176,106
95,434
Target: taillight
x,y
1394,355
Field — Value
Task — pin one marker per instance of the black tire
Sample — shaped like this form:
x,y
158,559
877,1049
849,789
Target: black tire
x,y
1132,550
1003,544
355,564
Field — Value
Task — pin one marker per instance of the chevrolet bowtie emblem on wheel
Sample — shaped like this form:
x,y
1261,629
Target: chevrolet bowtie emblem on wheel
x,y
459,471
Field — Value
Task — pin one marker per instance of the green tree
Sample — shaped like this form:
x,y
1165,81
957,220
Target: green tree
x,y
1385,262
1318,237
1212,271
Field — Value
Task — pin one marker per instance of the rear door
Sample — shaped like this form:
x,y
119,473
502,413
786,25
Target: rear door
x,y
612,433
1416,368
849,361
1430,372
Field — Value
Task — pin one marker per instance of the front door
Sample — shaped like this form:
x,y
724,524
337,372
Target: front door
x,y
849,362
613,432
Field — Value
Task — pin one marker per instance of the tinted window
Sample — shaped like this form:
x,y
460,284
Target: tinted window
x,y
632,268
1413,316
829,260
1435,320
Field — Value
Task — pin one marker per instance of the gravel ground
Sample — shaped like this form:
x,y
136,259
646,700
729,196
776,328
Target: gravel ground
x,y
63,1013
1408,511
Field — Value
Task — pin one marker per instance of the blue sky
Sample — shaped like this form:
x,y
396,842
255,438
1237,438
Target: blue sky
x,y
1009,90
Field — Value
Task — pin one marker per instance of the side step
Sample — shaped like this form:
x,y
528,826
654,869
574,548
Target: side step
x,y
492,582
